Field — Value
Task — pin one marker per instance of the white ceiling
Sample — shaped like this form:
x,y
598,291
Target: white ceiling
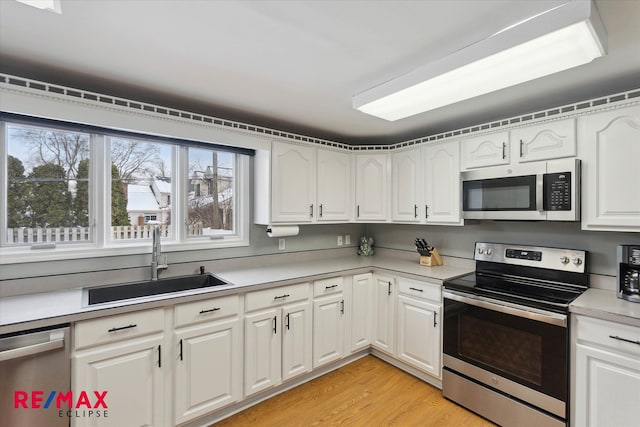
x,y
294,65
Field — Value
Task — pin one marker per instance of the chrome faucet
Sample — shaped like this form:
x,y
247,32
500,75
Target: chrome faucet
x,y
156,253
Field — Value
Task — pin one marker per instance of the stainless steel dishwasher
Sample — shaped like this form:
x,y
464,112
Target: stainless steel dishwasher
x,y
31,362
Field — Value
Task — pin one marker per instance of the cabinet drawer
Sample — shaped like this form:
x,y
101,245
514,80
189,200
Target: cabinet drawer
x,y
421,290
208,309
608,334
119,327
328,286
276,296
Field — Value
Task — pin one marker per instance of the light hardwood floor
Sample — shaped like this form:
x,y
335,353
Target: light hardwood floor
x,y
367,392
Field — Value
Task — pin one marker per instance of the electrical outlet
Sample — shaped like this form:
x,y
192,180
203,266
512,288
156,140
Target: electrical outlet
x,y
347,239
339,240
281,245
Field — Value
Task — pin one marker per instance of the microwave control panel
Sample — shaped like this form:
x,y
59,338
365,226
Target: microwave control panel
x,y
557,191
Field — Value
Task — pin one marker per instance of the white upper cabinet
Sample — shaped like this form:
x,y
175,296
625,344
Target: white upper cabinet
x,y
293,183
334,186
442,183
486,150
544,141
610,152
372,187
406,186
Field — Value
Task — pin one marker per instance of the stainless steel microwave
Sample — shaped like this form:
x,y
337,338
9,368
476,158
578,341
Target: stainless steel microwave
x,y
543,191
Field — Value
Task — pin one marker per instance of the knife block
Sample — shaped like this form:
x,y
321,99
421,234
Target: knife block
x,y
433,260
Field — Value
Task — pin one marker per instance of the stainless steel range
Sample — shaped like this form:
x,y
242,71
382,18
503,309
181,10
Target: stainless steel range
x,y
506,336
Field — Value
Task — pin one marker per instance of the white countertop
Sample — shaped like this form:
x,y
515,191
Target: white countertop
x,y
49,308
604,304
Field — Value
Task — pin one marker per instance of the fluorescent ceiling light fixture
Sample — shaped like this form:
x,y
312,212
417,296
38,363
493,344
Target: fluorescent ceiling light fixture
x,y
561,38
52,5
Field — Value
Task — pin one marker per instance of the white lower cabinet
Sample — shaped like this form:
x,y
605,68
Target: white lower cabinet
x,y
208,367
360,315
606,377
277,336
124,356
384,313
418,338
328,321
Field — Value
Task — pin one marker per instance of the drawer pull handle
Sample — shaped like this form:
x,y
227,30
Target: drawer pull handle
x,y
331,286
615,337
416,289
209,310
122,328
281,296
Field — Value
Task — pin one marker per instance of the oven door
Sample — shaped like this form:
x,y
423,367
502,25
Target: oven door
x,y
519,351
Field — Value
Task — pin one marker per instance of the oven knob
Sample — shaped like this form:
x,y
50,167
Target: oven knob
x,y
564,260
489,251
480,251
577,261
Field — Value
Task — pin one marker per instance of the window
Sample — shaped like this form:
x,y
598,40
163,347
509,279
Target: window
x,y
65,185
210,209
48,186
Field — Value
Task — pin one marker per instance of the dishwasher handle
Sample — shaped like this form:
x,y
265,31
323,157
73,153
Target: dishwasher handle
x,y
54,341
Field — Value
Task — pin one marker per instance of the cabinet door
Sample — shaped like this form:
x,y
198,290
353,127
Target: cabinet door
x,y
371,187
131,372
486,150
418,340
328,329
610,147
293,183
361,310
442,183
208,368
406,185
296,339
607,387
384,313
552,140
334,186
262,351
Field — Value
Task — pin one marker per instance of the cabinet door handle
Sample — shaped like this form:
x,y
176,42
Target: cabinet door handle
x,y
426,211
342,306
504,150
521,147
435,322
159,356
415,211
287,321
358,211
417,289
615,337
281,296
389,289
181,350
209,310
320,210
330,287
311,210
275,325
121,328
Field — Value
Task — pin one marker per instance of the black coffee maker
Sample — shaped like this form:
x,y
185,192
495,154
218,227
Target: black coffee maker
x,y
629,272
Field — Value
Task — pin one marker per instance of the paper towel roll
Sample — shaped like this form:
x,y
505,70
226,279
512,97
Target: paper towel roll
x,y
282,230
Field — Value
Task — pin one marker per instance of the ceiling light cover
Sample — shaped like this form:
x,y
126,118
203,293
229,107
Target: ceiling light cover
x,y
538,47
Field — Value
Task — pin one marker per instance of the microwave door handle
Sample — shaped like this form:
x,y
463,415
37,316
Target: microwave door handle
x,y
539,192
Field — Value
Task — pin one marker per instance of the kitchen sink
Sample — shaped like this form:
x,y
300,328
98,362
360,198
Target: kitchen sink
x,y
111,293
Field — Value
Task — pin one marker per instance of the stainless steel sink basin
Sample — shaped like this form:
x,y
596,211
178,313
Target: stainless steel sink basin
x,y
110,293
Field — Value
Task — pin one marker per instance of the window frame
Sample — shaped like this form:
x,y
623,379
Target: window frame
x,y
100,205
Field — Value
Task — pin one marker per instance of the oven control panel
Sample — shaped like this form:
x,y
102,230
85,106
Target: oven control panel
x,y
533,256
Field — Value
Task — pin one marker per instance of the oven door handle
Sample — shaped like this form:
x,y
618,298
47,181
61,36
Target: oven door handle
x,y
507,308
